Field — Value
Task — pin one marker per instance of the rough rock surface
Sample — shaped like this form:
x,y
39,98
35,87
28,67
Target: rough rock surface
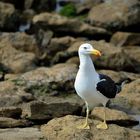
x,y
67,26
21,134
41,111
125,39
115,14
65,128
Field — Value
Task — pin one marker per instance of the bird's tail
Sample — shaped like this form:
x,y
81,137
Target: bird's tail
x,y
121,83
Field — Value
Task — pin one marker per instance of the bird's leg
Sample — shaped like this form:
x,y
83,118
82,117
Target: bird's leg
x,y
103,125
85,125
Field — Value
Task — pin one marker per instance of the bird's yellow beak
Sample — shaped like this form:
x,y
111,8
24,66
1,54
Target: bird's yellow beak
x,y
95,52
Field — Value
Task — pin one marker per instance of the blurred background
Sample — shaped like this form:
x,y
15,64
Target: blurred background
x,y
39,40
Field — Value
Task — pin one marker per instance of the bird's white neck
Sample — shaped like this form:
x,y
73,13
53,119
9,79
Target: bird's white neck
x,y
86,63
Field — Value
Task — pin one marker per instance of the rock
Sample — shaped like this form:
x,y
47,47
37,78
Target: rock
x,y
11,95
41,111
115,116
9,17
11,112
15,60
118,76
41,6
21,134
109,58
85,6
116,14
65,128
60,24
125,39
133,51
59,78
9,122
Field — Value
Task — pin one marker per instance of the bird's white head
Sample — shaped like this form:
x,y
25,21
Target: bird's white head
x,y
87,49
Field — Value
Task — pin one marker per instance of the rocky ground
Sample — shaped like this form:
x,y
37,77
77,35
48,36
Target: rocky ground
x,y
39,62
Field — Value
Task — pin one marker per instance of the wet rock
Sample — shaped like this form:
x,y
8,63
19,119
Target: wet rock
x,y
21,134
66,26
9,122
15,60
12,112
125,39
59,78
41,111
116,14
9,17
114,116
11,95
65,128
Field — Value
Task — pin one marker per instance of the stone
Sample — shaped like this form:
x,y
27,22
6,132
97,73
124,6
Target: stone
x,y
125,39
114,116
65,128
10,122
60,24
9,18
59,78
15,60
11,95
28,133
11,112
116,14
37,111
109,58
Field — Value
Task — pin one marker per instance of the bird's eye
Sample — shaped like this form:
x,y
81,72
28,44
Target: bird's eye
x,y
85,48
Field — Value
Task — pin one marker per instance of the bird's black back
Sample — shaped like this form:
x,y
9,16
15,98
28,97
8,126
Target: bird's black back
x,y
107,86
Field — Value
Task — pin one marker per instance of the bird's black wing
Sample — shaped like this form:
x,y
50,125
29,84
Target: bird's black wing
x,y
106,86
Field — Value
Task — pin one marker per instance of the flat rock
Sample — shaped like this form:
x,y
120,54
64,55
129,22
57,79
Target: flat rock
x,y
125,39
41,111
21,134
59,78
115,14
11,95
10,122
13,112
65,128
67,26
115,116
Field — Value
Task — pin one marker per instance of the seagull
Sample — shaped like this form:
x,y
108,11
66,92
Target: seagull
x,y
92,87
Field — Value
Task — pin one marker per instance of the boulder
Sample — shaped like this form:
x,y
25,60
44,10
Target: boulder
x,y
15,60
65,26
58,78
10,122
28,133
11,95
114,116
38,111
11,112
66,128
125,39
9,18
116,14
113,58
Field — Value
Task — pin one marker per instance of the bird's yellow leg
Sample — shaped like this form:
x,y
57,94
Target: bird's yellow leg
x,y
86,124
103,125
